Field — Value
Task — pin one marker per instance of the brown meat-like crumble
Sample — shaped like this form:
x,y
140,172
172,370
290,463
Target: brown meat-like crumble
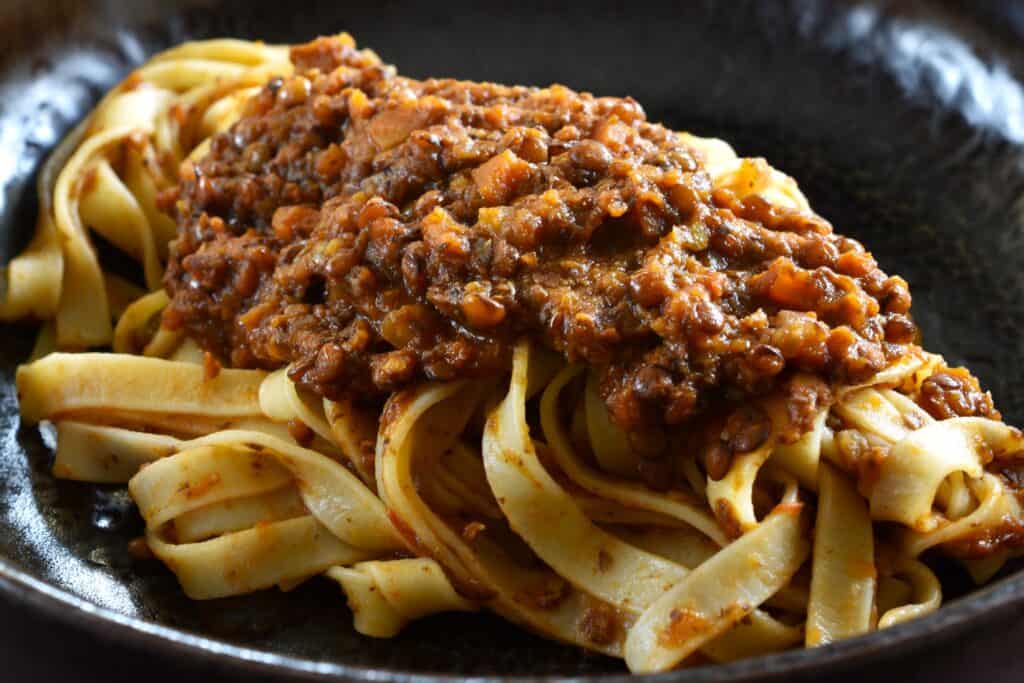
x,y
374,231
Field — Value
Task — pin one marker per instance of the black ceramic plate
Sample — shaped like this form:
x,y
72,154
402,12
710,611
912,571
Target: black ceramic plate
x,y
903,122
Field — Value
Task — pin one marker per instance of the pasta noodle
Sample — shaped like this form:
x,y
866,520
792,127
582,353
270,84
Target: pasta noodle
x,y
843,570
521,492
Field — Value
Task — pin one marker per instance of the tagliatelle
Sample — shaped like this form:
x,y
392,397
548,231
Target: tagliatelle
x,y
281,401
99,454
802,458
131,335
148,123
385,596
265,555
718,593
136,389
741,522
549,520
843,569
925,595
611,445
605,486
916,466
545,516
214,519
517,589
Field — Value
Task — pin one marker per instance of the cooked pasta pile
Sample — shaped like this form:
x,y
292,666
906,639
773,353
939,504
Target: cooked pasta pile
x,y
512,494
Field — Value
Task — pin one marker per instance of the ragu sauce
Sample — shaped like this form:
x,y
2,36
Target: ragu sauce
x,y
375,231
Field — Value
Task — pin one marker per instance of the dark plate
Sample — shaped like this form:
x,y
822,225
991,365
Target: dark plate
x,y
904,124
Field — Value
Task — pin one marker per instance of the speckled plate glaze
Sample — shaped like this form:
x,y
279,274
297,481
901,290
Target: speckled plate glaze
x,y
904,123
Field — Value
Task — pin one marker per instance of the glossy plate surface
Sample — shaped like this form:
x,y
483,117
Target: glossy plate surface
x,y
904,126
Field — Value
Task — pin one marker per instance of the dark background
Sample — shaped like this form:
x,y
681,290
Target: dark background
x,y
903,121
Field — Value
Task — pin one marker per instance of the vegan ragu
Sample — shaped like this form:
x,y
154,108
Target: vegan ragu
x,y
373,230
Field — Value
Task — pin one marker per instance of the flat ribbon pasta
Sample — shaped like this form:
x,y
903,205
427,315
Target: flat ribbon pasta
x,y
138,328
106,455
629,494
801,458
925,592
609,441
31,281
525,594
148,124
910,476
281,400
385,596
843,568
260,557
732,496
334,495
548,519
130,390
342,522
719,592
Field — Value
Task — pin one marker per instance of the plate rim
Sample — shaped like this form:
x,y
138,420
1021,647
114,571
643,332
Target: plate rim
x,y
983,605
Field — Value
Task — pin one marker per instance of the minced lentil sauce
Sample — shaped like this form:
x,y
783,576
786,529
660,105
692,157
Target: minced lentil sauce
x,y
374,231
